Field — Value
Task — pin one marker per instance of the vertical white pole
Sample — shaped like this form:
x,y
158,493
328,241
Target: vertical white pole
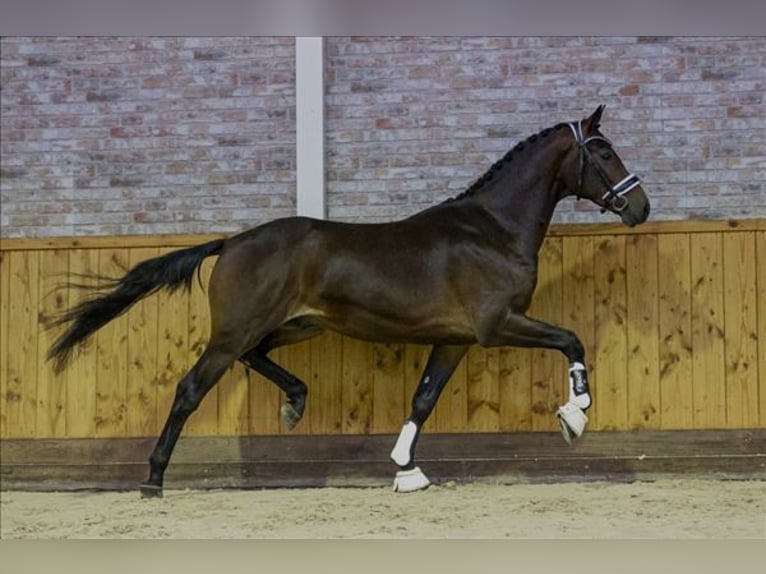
x,y
309,116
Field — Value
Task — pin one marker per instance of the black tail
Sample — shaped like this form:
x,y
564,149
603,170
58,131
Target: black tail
x,y
169,271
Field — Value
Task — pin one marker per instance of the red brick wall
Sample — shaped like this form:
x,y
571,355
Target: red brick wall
x,y
185,135
412,121
146,135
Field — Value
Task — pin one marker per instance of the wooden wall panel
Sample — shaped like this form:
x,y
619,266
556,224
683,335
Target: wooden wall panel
x,y
112,352
326,385
610,396
515,394
483,389
21,391
81,372
642,315
708,364
673,321
51,386
452,408
760,240
5,298
675,332
143,367
388,388
356,402
741,328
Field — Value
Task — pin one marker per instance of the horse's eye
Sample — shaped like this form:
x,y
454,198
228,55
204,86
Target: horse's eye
x,y
607,155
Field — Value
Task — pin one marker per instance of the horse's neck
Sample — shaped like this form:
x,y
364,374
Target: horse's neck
x,y
524,202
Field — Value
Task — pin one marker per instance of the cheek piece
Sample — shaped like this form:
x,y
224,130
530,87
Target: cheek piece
x,y
615,194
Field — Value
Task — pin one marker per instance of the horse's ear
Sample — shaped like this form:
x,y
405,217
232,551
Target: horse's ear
x,y
595,118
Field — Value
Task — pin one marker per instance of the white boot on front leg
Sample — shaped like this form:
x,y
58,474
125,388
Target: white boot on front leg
x,y
572,420
571,416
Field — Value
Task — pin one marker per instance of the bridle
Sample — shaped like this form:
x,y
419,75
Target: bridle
x,y
615,196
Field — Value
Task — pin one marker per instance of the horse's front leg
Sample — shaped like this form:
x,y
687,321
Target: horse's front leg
x,y
518,330
442,362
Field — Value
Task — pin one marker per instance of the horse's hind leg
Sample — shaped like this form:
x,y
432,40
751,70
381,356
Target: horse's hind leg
x,y
295,389
442,362
190,391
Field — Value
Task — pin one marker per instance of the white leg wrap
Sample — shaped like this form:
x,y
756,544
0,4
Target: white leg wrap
x,y
582,400
410,480
401,453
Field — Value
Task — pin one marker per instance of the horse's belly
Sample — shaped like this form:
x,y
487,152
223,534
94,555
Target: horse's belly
x,y
401,327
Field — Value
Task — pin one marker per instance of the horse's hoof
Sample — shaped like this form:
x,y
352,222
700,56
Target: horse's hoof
x,y
290,416
411,480
150,491
572,420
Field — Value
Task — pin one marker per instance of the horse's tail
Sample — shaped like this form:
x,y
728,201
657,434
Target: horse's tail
x,y
115,296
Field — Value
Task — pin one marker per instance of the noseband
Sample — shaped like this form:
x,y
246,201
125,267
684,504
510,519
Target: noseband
x,y
616,194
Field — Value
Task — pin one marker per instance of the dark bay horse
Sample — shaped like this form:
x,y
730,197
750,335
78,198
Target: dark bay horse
x,y
456,274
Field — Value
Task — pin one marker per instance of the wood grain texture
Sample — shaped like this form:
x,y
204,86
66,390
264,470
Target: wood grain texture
x,y
5,305
21,391
760,240
452,408
388,388
610,408
51,386
327,387
357,390
741,328
708,335
643,327
686,304
515,393
675,335
483,389
143,366
82,371
112,358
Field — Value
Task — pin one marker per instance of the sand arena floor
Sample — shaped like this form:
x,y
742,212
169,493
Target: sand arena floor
x,y
677,509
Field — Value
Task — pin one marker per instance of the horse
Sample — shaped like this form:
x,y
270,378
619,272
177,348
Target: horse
x,y
459,273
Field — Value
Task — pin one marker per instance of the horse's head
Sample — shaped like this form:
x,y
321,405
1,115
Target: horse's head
x,y
600,176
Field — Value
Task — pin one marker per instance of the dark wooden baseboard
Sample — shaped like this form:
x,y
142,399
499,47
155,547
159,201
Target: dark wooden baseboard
x,y
337,460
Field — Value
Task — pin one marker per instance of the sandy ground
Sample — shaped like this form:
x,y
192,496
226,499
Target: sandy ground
x,y
676,509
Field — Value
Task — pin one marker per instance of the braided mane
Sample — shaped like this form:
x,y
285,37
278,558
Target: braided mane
x,y
502,162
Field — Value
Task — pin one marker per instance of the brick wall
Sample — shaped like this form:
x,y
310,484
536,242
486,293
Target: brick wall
x,y
183,135
146,135
412,121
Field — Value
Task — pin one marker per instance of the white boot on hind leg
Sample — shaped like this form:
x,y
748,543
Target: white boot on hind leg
x,y
410,480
